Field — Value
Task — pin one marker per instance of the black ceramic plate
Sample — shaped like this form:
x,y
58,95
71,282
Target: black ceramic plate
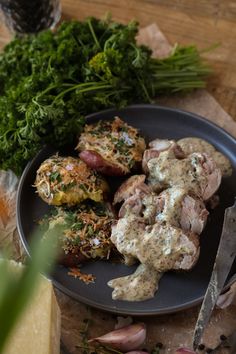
x,y
177,291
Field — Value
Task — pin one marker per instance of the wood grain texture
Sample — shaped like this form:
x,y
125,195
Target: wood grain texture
x,y
202,22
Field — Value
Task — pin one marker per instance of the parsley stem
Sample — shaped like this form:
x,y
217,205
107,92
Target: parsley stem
x,y
94,87
93,34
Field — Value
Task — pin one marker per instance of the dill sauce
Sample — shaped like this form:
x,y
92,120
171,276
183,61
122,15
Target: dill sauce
x,y
143,283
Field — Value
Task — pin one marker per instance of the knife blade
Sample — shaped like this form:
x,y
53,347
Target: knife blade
x,y
224,259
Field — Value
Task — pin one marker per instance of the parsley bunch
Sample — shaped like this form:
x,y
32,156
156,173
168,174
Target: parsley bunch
x,y
50,81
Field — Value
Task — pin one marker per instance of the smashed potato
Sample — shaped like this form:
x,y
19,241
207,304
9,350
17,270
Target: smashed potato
x,y
68,180
112,148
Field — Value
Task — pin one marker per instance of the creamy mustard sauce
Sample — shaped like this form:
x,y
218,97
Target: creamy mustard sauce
x,y
139,286
126,228
163,248
223,163
152,226
150,205
166,171
196,173
191,144
172,206
160,246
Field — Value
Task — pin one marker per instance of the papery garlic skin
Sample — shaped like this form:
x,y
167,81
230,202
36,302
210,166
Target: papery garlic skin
x,y
125,339
123,322
228,298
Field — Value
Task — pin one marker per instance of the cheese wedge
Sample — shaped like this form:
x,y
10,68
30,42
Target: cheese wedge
x,y
38,329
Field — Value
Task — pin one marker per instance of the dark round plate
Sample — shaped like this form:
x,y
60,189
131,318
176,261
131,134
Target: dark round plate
x,y
177,291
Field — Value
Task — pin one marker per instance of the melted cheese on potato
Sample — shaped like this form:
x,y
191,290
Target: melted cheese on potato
x,y
68,180
116,141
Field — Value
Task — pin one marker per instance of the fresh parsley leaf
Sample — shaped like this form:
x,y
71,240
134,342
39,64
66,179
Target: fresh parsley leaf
x,y
51,80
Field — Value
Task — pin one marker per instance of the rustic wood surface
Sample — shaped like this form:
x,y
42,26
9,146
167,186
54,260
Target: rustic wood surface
x,y
186,22
202,22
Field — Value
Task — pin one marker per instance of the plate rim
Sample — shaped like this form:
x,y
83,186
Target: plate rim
x,y
76,296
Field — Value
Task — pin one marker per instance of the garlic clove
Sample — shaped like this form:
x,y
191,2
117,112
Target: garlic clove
x,y
125,339
123,322
228,298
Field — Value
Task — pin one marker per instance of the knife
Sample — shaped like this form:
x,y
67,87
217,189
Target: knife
x,y
224,259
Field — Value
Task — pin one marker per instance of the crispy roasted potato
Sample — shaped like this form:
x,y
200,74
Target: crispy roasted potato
x,y
68,180
83,231
111,147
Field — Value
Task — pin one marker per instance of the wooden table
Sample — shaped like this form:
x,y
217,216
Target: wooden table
x,y
203,23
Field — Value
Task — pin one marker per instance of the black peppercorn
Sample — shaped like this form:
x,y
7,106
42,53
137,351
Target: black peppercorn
x,y
201,347
159,345
223,337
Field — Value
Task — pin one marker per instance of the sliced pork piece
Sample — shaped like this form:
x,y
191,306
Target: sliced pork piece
x,y
212,173
193,214
148,154
133,205
165,170
141,204
193,144
197,173
156,147
160,246
161,144
176,207
130,225
164,144
129,187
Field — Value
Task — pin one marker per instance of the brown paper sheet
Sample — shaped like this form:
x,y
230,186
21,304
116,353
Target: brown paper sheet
x,y
200,101
173,330
9,238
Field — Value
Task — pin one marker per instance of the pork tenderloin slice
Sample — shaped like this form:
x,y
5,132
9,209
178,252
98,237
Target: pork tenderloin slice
x,y
129,187
157,146
160,246
181,208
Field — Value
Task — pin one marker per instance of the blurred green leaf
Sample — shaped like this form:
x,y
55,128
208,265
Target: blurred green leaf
x,y
18,284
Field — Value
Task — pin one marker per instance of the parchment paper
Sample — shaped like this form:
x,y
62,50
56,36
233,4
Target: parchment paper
x,y
174,330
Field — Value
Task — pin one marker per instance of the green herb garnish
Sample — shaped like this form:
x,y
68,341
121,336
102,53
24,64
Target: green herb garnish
x,y
83,187
55,176
50,81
